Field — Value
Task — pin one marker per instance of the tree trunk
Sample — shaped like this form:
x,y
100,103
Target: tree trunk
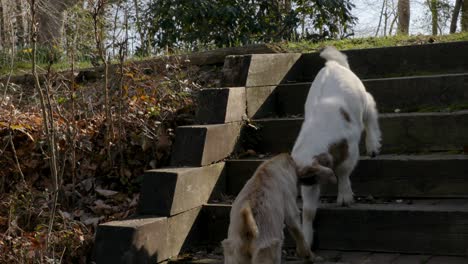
x,y
435,15
456,11
403,16
4,34
145,42
464,20
50,18
21,24
6,24
2,26
380,18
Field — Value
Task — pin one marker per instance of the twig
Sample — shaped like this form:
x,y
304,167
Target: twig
x,y
122,57
12,64
16,157
98,13
47,119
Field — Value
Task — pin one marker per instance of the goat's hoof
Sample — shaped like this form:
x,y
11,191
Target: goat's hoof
x,y
304,252
345,200
313,258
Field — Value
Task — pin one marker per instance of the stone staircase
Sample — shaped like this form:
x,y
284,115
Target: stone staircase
x,y
412,201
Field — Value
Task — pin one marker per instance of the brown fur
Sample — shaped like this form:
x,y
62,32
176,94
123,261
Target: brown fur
x,y
339,151
250,231
319,172
263,178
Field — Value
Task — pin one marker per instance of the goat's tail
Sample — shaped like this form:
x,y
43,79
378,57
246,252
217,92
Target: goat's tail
x,y
371,123
330,53
249,226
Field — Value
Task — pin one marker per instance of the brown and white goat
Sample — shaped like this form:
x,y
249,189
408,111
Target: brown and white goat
x,y
337,110
265,204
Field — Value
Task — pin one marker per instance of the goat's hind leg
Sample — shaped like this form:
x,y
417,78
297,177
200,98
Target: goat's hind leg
x,y
371,124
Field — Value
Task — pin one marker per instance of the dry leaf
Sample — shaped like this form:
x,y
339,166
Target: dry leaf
x,y
106,193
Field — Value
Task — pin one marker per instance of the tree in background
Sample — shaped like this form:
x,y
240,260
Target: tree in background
x,y
441,14
387,19
403,16
434,7
456,11
464,19
327,19
51,18
189,24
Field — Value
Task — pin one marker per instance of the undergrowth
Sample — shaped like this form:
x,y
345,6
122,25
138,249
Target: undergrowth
x,y
156,98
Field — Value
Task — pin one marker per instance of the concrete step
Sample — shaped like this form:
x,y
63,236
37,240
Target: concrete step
x,y
139,240
434,227
350,257
402,176
217,261
402,133
407,94
391,61
146,239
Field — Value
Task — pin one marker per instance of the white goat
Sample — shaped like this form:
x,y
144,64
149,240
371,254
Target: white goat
x,y
337,110
264,205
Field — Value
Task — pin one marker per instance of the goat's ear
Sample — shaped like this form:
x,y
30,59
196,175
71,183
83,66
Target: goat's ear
x,y
325,175
325,159
316,173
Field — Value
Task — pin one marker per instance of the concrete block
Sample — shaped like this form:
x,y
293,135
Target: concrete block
x,y
221,105
183,233
261,101
428,176
270,69
451,57
425,227
409,94
259,69
235,70
143,240
402,133
170,191
204,144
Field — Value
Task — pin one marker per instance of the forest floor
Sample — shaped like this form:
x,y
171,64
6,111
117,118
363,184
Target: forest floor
x,y
99,167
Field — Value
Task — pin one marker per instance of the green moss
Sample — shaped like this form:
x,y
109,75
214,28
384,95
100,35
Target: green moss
x,y
428,108
447,108
371,42
22,67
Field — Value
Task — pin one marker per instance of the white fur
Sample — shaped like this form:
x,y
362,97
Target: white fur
x,y
269,200
334,89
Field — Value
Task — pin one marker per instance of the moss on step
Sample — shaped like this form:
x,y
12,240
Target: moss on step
x,y
371,42
428,109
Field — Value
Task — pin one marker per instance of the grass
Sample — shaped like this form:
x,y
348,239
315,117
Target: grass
x,y
24,66
371,42
449,108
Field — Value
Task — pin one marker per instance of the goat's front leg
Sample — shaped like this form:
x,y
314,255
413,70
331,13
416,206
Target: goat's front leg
x,y
310,202
345,192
